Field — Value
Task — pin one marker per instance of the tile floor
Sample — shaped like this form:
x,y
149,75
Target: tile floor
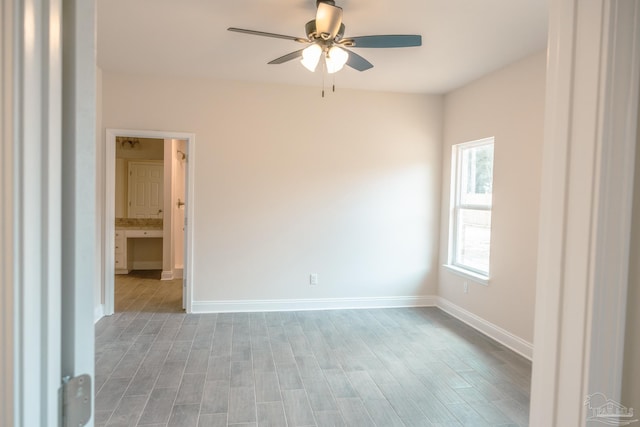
x,y
156,366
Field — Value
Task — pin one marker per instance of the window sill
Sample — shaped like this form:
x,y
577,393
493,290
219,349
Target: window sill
x,y
478,278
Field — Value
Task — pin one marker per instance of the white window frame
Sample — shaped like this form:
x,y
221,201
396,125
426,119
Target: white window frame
x,y
453,265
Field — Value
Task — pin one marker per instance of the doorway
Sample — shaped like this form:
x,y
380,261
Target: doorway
x,y
127,228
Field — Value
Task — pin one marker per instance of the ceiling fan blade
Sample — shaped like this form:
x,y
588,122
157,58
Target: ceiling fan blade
x,y
328,20
357,62
262,33
391,40
287,57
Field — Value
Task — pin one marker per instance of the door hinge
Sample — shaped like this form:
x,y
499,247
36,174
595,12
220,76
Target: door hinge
x,y
76,401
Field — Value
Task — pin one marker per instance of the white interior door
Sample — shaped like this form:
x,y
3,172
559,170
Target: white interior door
x,y
146,190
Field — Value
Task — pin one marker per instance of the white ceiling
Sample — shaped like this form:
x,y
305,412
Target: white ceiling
x,y
462,39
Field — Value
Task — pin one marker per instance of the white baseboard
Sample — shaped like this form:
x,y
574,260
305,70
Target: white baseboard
x,y
494,332
98,313
147,265
170,275
311,304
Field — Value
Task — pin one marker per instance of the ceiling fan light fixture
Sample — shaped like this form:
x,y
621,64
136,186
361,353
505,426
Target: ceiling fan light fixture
x,y
311,57
335,59
324,37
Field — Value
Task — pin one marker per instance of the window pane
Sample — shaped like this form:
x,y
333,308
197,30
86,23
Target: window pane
x,y
476,175
473,239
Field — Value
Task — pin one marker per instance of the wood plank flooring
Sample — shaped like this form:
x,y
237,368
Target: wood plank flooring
x,y
156,366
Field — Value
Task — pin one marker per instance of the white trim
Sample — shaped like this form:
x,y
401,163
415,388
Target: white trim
x,y
231,306
592,82
168,237
53,163
30,212
9,365
190,225
38,210
496,333
617,139
467,274
109,206
109,215
456,205
147,265
476,142
171,275
98,313
79,197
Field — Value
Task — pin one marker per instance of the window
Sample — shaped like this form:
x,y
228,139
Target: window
x,y
471,193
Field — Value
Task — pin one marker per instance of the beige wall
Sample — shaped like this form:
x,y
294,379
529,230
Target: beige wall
x,y
145,254
287,183
509,105
631,373
145,149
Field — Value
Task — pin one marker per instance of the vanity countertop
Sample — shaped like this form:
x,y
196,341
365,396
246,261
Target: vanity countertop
x,y
138,223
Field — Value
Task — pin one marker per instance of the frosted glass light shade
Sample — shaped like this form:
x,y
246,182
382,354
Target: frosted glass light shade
x,y
335,59
311,57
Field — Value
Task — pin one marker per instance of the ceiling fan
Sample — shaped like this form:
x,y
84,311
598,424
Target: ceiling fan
x,y
325,38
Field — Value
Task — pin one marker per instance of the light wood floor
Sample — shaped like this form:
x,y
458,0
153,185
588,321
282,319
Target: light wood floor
x,y
156,366
143,291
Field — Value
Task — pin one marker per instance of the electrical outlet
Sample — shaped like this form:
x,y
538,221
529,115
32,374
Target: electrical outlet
x,y
313,279
466,287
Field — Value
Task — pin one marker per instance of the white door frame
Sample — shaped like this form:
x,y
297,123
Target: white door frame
x,y
48,141
586,198
109,209
10,396
30,212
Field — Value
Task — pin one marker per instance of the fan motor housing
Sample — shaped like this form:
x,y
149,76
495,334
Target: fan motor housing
x,y
312,32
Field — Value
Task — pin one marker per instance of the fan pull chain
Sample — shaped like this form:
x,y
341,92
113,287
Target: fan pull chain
x,y
334,82
323,73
